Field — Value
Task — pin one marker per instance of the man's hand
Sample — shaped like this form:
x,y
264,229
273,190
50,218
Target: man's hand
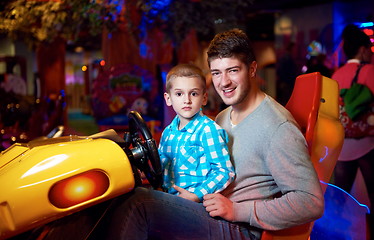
x,y
219,206
183,193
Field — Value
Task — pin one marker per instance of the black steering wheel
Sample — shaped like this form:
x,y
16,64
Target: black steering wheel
x,y
143,154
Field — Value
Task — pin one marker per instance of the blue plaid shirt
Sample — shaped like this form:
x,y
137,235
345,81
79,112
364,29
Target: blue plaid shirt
x,y
196,157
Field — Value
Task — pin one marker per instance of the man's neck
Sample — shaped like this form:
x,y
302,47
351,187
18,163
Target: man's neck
x,y
241,111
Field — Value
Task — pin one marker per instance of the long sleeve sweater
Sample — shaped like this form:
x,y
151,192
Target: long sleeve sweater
x,y
276,185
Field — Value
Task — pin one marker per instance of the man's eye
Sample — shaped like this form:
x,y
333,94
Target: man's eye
x,y
215,73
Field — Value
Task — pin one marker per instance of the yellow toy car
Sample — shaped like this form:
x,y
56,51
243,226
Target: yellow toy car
x,y
48,179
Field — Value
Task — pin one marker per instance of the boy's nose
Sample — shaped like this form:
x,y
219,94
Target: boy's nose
x,y
187,99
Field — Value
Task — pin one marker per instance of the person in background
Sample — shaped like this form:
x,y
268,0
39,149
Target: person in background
x,y
286,74
316,60
275,187
193,148
357,153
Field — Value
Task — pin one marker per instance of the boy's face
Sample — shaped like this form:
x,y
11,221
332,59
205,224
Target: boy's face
x,y
232,79
186,96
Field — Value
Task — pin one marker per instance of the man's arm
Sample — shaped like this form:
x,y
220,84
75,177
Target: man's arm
x,y
218,205
301,199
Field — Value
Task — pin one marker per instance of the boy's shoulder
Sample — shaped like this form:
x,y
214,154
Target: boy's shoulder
x,y
207,121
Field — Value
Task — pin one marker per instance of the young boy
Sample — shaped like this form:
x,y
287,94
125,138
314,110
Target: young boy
x,y
193,148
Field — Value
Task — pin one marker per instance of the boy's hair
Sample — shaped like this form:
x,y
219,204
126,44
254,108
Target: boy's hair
x,y
232,43
184,70
353,39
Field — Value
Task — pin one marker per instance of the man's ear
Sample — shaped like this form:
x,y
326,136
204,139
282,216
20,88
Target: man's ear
x,y
167,99
253,69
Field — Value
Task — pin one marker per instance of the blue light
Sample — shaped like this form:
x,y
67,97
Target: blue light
x,y
344,217
326,153
365,24
157,9
143,49
163,75
354,199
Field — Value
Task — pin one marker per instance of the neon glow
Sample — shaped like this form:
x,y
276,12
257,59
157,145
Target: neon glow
x,y
77,189
354,199
368,32
344,217
366,24
326,154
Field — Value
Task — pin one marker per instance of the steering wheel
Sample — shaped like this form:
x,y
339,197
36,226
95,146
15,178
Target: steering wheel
x,y
143,154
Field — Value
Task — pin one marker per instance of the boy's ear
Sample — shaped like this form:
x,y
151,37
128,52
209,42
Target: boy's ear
x,y
167,99
205,98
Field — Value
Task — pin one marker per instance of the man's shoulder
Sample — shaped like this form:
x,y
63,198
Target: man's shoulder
x,y
223,115
275,112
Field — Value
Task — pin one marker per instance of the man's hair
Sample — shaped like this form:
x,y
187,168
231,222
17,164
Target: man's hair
x,y
184,70
232,43
353,39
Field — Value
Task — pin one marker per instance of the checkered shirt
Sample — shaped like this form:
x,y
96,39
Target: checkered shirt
x,y
196,157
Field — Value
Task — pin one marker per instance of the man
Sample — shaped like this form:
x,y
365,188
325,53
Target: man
x,y
276,185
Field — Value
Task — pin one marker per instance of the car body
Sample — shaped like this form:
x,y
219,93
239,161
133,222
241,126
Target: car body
x,y
51,178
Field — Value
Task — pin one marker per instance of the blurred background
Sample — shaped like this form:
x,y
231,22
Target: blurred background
x,y
84,64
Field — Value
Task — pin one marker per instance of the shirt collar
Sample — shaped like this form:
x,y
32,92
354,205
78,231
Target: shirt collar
x,y
353,60
191,125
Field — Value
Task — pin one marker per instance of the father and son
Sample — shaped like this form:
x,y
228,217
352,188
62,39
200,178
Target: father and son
x,y
230,178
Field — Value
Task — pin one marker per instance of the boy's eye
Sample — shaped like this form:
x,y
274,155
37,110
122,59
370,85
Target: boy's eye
x,y
194,94
178,94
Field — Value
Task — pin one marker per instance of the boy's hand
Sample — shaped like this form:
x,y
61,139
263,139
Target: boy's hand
x,y
183,193
218,205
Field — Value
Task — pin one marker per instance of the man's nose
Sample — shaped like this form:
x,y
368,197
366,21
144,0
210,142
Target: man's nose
x,y
225,80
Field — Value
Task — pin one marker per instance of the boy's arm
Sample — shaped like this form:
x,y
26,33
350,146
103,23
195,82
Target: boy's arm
x,y
161,149
214,141
183,193
165,162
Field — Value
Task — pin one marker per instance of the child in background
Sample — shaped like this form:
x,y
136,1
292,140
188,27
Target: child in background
x,y
193,148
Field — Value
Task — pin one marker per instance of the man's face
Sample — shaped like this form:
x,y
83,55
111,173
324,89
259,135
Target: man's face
x,y
231,78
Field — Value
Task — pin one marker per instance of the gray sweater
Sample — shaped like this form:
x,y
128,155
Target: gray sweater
x,y
276,185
